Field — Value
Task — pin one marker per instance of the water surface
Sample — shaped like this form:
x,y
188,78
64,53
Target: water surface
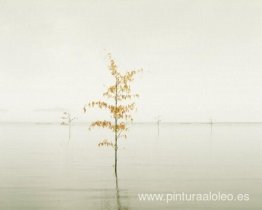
x,y
42,169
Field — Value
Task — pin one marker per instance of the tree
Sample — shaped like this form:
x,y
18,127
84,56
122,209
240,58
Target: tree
x,y
67,120
120,110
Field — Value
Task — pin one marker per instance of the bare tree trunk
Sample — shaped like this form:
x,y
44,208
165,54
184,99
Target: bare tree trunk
x,y
116,156
116,130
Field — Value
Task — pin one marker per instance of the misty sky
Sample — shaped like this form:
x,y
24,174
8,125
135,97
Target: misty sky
x,y
201,59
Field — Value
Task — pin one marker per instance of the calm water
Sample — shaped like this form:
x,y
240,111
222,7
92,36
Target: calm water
x,y
41,169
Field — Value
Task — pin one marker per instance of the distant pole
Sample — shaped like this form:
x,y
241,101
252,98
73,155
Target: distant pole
x,y
211,137
69,126
211,125
69,135
158,125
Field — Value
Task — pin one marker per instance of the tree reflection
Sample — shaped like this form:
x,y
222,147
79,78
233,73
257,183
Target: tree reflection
x,y
118,197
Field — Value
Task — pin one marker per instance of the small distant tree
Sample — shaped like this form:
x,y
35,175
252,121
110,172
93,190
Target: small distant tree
x,y
67,120
120,110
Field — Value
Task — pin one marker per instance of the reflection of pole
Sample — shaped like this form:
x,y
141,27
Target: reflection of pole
x,y
211,125
158,123
69,130
211,140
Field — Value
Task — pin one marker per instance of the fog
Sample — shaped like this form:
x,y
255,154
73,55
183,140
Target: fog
x,y
201,59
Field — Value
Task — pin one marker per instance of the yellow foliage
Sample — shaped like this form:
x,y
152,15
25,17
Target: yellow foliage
x,y
105,143
102,124
119,91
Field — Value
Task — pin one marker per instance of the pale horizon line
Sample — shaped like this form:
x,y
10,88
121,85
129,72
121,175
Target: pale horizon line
x,y
137,122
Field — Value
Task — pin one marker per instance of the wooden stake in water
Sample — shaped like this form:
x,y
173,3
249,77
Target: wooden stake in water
x,y
158,124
